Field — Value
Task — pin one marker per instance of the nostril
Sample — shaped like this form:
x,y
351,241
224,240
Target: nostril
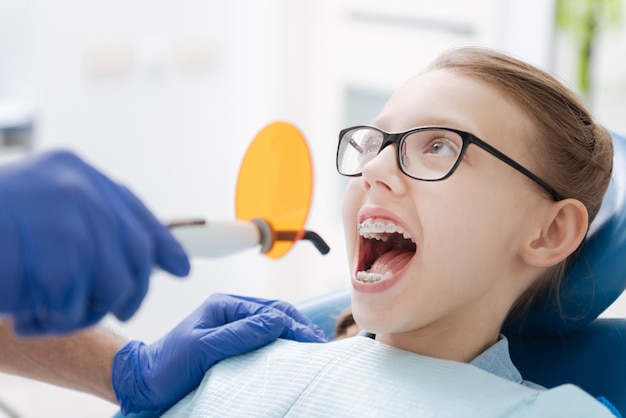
x,y
384,185
367,184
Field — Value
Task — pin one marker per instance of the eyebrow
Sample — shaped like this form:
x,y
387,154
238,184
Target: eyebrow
x,y
432,121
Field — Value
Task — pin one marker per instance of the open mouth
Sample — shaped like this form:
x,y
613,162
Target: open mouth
x,y
384,249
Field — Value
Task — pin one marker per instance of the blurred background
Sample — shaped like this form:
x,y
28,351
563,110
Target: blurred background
x,y
166,96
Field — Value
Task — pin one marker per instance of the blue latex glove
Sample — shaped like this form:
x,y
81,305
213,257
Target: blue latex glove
x,y
75,245
154,377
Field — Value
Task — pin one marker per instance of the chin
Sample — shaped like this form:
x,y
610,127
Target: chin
x,y
371,320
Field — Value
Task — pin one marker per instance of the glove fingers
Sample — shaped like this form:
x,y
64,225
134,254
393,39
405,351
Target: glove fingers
x,y
298,327
168,253
241,336
303,332
113,289
293,312
129,250
115,286
136,250
249,305
256,331
126,307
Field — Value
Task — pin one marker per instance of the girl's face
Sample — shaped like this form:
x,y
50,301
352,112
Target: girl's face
x,y
455,268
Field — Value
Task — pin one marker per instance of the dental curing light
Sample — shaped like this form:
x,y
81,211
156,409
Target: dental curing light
x,y
272,201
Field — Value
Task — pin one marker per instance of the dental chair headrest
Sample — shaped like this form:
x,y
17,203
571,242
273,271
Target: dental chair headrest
x,y
598,276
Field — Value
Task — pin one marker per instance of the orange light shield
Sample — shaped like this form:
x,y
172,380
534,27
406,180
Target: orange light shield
x,y
275,183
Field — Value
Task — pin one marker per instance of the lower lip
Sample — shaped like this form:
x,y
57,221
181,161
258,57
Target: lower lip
x,y
380,286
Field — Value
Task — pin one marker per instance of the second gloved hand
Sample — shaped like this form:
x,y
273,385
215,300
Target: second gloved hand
x,y
154,377
75,245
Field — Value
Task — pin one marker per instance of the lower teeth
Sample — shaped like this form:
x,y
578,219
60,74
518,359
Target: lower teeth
x,y
365,277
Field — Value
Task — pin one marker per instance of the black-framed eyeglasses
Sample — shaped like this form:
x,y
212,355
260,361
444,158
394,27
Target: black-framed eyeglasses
x,y
428,153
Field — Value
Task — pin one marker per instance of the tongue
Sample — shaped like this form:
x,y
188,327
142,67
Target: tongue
x,y
392,261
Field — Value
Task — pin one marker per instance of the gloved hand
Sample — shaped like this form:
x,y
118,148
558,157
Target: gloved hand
x,y
75,245
154,377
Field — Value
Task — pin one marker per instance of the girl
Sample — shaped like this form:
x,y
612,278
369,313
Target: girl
x,y
450,230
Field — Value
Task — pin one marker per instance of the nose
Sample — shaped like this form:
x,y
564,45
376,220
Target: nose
x,y
383,173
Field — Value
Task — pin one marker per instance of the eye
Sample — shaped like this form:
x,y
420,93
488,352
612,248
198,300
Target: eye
x,y
365,141
442,146
371,144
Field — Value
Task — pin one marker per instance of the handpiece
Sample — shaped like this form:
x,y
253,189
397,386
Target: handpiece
x,y
201,238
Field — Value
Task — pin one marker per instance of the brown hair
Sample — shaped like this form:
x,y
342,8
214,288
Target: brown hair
x,y
346,326
574,154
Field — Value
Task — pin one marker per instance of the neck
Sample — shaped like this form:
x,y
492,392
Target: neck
x,y
458,340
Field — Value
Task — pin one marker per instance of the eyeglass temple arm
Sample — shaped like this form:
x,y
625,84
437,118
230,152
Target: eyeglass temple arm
x,y
503,157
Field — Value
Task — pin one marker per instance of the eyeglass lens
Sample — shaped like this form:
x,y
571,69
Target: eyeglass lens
x,y
425,154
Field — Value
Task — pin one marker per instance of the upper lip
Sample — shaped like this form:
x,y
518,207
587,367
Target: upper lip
x,y
381,213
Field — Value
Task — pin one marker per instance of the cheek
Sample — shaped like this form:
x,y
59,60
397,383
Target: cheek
x,y
471,236
459,232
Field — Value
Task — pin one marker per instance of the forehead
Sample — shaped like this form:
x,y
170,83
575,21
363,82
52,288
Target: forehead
x,y
455,100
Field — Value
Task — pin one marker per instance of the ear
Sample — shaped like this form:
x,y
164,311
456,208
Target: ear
x,y
565,226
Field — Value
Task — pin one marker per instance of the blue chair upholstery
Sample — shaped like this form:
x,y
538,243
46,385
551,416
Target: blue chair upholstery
x,y
552,347
593,358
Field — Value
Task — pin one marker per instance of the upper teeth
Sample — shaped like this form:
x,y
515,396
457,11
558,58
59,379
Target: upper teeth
x,y
369,229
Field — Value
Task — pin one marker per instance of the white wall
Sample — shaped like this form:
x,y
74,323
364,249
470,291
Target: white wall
x,y
115,85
